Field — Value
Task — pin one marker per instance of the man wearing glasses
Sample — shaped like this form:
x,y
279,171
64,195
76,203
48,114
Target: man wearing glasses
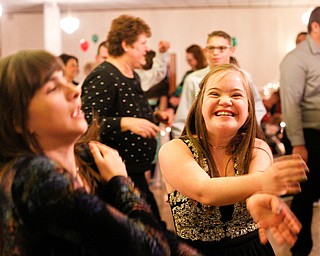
x,y
219,50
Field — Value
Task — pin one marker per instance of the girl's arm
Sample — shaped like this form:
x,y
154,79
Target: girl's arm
x,y
182,173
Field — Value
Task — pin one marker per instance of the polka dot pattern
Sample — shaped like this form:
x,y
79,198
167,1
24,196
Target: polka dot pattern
x,y
110,94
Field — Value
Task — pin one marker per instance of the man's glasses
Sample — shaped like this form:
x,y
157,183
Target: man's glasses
x,y
219,48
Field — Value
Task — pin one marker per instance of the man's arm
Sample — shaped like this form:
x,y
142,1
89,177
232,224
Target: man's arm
x,y
292,86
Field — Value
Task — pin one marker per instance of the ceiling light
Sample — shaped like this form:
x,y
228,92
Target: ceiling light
x,y
69,24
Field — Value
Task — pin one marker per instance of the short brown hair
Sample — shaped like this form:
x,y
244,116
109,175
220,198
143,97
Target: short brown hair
x,y
125,28
220,33
314,17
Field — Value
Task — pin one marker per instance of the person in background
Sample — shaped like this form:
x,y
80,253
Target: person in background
x,y
71,67
196,60
61,193
300,97
156,67
151,73
113,91
301,37
271,124
102,53
88,67
101,56
207,170
218,51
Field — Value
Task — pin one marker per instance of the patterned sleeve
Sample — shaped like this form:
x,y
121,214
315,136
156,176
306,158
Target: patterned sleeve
x,y
99,97
47,203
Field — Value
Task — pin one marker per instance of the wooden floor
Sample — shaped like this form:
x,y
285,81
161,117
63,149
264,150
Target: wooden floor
x,y
160,195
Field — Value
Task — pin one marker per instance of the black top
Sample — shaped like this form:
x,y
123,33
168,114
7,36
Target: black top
x,y
113,96
42,214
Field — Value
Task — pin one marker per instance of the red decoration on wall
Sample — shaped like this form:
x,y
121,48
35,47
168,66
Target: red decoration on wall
x,y
84,45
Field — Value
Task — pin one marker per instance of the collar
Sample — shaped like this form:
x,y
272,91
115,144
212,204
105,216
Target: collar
x,y
314,47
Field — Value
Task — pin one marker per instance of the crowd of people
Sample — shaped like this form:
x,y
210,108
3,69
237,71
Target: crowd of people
x,y
74,157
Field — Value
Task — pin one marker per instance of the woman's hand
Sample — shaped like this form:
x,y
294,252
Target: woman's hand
x,y
164,117
272,213
140,126
284,175
108,161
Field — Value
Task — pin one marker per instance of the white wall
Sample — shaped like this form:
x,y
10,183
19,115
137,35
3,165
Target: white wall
x,y
264,35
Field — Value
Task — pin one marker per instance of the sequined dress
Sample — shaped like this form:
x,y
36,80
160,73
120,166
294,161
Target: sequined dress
x,y
225,230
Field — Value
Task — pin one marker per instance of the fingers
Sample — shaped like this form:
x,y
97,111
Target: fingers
x,y
148,130
289,171
289,227
292,161
293,188
163,46
99,150
282,233
274,231
108,160
263,235
290,219
95,151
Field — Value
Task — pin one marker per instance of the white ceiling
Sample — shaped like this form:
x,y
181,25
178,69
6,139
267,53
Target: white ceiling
x,y
11,6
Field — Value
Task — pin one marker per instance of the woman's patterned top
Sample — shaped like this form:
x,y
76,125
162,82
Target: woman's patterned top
x,y
111,95
41,213
196,221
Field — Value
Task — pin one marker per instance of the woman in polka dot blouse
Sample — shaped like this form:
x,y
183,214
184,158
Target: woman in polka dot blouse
x,y
113,92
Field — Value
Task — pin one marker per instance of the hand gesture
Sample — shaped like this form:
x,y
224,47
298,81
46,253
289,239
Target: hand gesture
x,y
163,46
284,175
174,101
271,213
302,151
108,161
140,126
164,117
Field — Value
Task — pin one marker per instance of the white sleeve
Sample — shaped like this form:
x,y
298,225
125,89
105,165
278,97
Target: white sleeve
x,y
260,108
187,97
156,74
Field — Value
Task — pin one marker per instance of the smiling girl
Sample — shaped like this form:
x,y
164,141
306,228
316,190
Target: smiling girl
x,y
218,163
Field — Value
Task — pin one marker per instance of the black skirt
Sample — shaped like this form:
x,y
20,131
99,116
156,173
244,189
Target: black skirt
x,y
246,245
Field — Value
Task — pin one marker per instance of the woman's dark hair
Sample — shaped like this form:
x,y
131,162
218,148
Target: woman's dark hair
x,y
21,75
66,57
198,54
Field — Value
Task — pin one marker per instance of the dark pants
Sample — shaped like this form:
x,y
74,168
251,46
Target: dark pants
x,y
302,203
